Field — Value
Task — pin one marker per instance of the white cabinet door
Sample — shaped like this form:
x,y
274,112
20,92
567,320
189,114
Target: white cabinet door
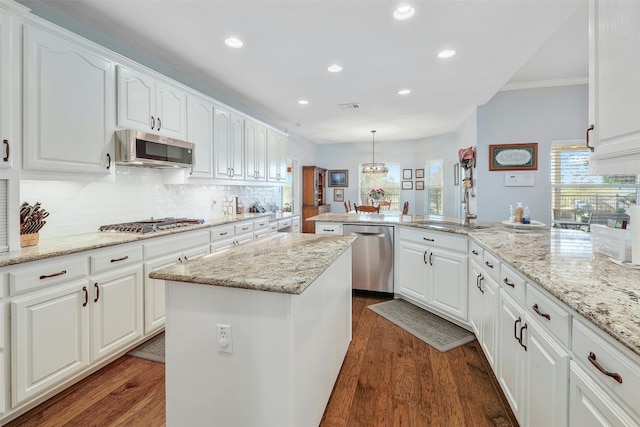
x,y
491,305
200,133
222,143
150,105
236,151
256,151
154,292
412,259
590,405
49,338
277,156
547,381
614,84
476,300
448,282
116,308
69,105
512,358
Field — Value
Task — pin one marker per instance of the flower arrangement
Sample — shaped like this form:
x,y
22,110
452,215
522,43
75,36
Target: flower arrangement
x,y
376,193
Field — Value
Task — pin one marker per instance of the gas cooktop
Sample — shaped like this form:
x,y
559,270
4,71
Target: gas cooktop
x,y
150,225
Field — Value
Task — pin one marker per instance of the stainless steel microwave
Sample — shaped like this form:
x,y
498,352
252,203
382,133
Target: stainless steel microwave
x,y
136,148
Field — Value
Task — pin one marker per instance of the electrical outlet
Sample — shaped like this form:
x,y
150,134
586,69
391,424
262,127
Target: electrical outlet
x,y
224,338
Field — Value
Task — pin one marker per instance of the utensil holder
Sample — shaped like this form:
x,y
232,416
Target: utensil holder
x,y
29,239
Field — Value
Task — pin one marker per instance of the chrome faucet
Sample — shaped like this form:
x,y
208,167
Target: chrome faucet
x,y
467,214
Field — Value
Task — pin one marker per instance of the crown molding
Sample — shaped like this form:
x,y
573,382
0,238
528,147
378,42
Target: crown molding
x,y
546,83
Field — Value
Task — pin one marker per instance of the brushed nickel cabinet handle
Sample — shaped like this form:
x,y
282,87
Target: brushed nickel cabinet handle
x,y
592,359
47,276
537,310
6,150
506,282
589,129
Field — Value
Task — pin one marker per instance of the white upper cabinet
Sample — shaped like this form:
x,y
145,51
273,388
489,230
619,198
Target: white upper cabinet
x,y
614,85
200,133
228,144
151,105
277,156
69,99
256,150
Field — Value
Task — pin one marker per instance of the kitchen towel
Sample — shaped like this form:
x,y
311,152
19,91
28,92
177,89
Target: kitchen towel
x,y
634,214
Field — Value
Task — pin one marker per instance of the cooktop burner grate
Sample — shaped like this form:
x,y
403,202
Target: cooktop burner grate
x,y
150,225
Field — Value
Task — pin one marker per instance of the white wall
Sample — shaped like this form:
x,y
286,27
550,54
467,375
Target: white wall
x,y
531,115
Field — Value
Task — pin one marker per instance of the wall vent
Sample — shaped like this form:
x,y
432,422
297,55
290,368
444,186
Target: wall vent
x,y
349,106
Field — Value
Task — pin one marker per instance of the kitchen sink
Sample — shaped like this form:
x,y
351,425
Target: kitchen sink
x,y
451,224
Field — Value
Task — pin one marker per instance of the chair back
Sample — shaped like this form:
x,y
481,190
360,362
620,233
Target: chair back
x,y
384,205
369,209
405,208
346,207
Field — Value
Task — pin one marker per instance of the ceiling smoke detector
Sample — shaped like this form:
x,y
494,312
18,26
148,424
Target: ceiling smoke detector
x,y
350,106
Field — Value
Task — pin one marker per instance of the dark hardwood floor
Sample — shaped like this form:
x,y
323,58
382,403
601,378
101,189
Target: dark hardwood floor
x,y
389,378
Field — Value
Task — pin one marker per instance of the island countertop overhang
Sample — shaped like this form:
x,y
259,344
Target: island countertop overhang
x,y
284,263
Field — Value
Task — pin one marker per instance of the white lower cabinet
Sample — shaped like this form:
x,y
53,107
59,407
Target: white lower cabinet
x,y
433,271
49,338
484,298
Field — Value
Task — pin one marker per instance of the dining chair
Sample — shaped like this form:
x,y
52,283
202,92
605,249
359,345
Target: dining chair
x,y
346,207
384,205
405,208
368,209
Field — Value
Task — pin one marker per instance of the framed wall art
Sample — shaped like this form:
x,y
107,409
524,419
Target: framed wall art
x,y
419,185
338,194
338,178
419,173
407,185
406,173
510,157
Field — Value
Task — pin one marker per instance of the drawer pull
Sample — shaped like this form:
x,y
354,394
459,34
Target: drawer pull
x,y
86,296
328,230
589,129
47,276
506,282
515,329
488,264
120,259
224,234
95,285
479,283
6,150
537,310
475,252
430,258
429,240
424,257
520,340
592,359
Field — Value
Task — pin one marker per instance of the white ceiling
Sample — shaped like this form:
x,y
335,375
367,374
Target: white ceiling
x,y
288,45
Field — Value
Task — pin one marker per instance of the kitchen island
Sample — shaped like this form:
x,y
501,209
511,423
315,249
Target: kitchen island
x,y
286,301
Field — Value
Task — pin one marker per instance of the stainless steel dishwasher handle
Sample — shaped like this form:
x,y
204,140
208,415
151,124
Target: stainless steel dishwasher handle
x,y
360,233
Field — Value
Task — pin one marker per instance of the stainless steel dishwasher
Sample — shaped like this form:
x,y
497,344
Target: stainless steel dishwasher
x,y
372,257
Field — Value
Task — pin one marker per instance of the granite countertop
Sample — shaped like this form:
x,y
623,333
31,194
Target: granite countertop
x,y
57,246
285,263
560,261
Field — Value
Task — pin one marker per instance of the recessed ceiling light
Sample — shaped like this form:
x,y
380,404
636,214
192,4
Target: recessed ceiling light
x,y
335,68
233,42
403,12
447,53
404,92
303,102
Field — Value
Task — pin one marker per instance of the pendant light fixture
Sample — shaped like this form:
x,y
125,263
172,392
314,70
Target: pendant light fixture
x,y
374,167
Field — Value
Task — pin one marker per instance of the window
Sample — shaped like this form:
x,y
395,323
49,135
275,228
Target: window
x,y
389,182
576,195
433,187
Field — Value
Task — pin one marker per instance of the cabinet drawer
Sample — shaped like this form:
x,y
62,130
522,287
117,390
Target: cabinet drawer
x,y
243,228
476,252
261,223
491,265
512,283
440,240
121,256
585,341
38,274
328,228
273,227
549,314
174,244
284,224
223,232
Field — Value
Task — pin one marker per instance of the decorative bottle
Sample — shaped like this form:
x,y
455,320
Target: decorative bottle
x,y
526,216
519,212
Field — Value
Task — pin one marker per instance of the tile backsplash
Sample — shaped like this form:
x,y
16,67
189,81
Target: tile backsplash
x,y
137,193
